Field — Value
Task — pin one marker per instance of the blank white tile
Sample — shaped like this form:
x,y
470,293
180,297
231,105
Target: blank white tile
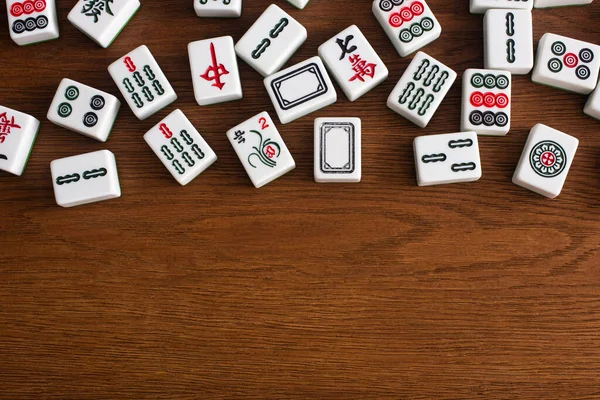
x,y
85,178
32,21
218,8
215,73
508,40
420,91
337,150
17,135
486,102
271,41
481,6
180,147
447,158
102,20
142,83
298,3
83,109
566,63
410,25
353,62
592,107
545,161
560,3
261,149
300,90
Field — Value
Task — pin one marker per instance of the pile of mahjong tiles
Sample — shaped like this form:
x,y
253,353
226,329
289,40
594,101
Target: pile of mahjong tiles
x,y
348,57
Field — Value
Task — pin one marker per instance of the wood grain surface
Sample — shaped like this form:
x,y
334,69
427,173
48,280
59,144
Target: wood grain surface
x,y
298,290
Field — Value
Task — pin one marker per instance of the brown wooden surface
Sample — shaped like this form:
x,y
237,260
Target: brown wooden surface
x,y
377,290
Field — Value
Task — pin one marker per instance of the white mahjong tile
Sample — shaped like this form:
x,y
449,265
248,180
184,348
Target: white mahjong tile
x,y
83,109
142,83
32,21
215,73
486,101
567,64
271,41
298,3
85,178
410,25
508,40
545,161
420,91
481,6
300,90
353,62
180,147
218,8
592,107
447,158
17,135
261,149
102,20
337,150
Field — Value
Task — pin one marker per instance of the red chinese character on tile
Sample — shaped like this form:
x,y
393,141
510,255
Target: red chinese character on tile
x,y
361,68
5,125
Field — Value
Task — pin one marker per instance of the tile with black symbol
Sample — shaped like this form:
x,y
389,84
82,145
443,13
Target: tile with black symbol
x,y
142,83
486,101
32,21
261,149
560,3
545,161
102,20
215,73
337,150
447,158
481,6
421,89
298,3
409,24
353,62
508,40
300,90
85,178
83,109
592,107
271,41
218,8
17,135
566,63
180,147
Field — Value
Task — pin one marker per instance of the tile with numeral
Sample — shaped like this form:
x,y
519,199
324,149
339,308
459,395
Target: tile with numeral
x,y
545,161
218,8
103,20
85,178
142,83
271,41
17,135
508,40
566,63
32,21
215,73
486,101
420,91
447,158
180,147
410,25
83,109
261,149
353,62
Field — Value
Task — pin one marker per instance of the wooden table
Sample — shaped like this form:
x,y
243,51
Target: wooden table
x,y
377,290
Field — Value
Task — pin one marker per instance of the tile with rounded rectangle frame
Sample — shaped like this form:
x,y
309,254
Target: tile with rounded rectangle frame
x,y
337,150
